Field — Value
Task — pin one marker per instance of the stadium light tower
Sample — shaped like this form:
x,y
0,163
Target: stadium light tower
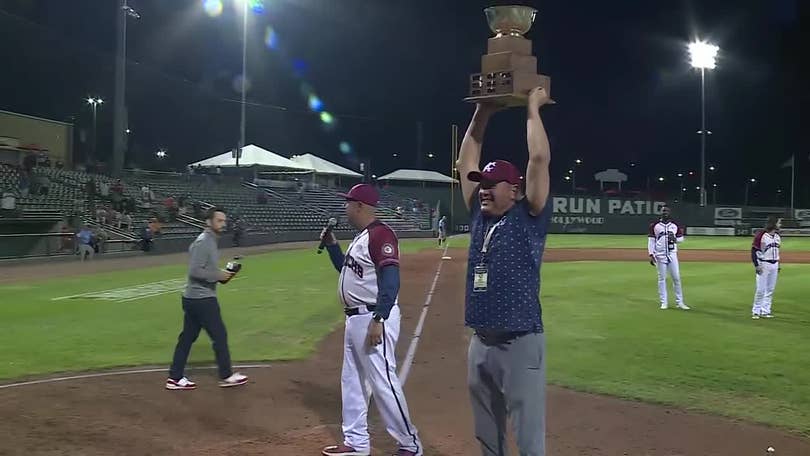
x,y
703,56
94,103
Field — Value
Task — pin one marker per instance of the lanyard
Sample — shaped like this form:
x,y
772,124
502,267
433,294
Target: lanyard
x,y
488,236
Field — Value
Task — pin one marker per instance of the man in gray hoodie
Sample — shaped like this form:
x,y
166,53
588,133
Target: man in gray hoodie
x,y
201,307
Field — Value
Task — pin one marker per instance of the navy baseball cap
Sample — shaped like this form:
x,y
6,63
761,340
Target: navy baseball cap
x,y
497,171
363,193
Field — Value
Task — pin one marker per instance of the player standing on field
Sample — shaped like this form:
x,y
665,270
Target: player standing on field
x,y
506,358
201,308
662,246
442,230
765,256
368,287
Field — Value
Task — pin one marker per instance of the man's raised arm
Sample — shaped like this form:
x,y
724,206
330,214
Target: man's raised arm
x,y
469,157
537,176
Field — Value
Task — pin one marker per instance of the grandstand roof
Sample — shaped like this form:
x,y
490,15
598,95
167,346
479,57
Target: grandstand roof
x,y
252,155
417,175
322,166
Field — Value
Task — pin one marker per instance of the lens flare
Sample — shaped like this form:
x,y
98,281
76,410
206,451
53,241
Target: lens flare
x,y
315,103
327,118
257,6
345,148
212,8
270,38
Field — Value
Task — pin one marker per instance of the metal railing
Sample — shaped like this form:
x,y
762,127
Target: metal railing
x,y
25,245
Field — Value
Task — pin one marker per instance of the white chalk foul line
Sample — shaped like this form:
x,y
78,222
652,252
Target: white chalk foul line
x,y
417,333
122,372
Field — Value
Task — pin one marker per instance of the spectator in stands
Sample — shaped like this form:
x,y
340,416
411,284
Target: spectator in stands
x,y
44,185
145,193
261,197
59,164
125,220
146,239
104,190
238,231
84,240
154,226
118,187
101,215
100,235
9,204
113,216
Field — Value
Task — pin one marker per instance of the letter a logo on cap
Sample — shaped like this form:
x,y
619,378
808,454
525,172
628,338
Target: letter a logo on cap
x,y
490,166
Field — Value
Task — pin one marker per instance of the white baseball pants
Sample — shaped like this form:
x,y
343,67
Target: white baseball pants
x,y
766,282
372,370
669,265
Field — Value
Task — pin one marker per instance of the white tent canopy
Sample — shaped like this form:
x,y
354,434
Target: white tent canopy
x,y
417,175
252,155
321,166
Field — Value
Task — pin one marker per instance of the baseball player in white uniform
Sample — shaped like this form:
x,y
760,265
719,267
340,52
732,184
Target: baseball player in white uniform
x,y
368,288
662,246
442,230
765,256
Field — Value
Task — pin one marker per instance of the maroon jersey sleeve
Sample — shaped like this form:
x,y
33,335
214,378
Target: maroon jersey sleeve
x,y
680,231
652,229
383,246
757,244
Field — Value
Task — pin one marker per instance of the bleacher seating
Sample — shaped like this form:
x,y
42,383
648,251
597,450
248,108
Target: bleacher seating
x,y
284,210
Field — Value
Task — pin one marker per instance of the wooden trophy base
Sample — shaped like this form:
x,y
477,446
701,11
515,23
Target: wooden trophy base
x,y
506,88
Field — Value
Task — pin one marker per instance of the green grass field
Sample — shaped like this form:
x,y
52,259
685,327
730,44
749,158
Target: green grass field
x,y
605,331
615,241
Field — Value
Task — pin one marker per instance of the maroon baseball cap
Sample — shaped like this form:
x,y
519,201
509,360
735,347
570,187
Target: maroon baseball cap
x,y
497,171
364,193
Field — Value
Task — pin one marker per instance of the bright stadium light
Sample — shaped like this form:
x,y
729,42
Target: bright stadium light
x,y
703,57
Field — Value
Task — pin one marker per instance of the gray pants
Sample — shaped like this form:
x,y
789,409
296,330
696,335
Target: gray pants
x,y
509,379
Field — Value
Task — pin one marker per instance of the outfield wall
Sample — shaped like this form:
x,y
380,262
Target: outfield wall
x,y
605,215
49,245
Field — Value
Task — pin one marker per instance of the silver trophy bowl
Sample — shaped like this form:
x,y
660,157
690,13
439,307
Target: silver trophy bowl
x,y
512,20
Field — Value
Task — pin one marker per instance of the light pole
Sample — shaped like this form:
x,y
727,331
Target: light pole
x,y
714,193
748,184
680,182
94,103
244,80
703,57
120,115
573,173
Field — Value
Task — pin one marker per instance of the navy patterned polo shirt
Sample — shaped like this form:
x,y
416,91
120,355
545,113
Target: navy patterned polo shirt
x,y
511,301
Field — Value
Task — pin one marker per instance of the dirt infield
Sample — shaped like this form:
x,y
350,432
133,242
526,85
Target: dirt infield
x,y
293,409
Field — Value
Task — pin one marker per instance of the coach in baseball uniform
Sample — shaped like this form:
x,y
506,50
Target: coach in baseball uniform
x,y
662,247
506,360
368,287
201,308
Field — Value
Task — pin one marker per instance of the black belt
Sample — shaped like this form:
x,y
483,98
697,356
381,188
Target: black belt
x,y
350,312
771,261
499,337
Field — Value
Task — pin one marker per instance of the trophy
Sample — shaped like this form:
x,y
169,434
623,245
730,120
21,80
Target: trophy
x,y
508,69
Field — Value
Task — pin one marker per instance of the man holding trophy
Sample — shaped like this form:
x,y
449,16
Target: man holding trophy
x,y
509,221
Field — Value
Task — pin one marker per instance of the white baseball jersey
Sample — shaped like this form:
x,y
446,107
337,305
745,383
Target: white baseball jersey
x,y
373,248
658,242
767,246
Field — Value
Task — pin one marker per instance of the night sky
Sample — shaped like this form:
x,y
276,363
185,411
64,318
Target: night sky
x,y
620,74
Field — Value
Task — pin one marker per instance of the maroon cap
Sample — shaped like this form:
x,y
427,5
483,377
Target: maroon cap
x,y
497,171
364,193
